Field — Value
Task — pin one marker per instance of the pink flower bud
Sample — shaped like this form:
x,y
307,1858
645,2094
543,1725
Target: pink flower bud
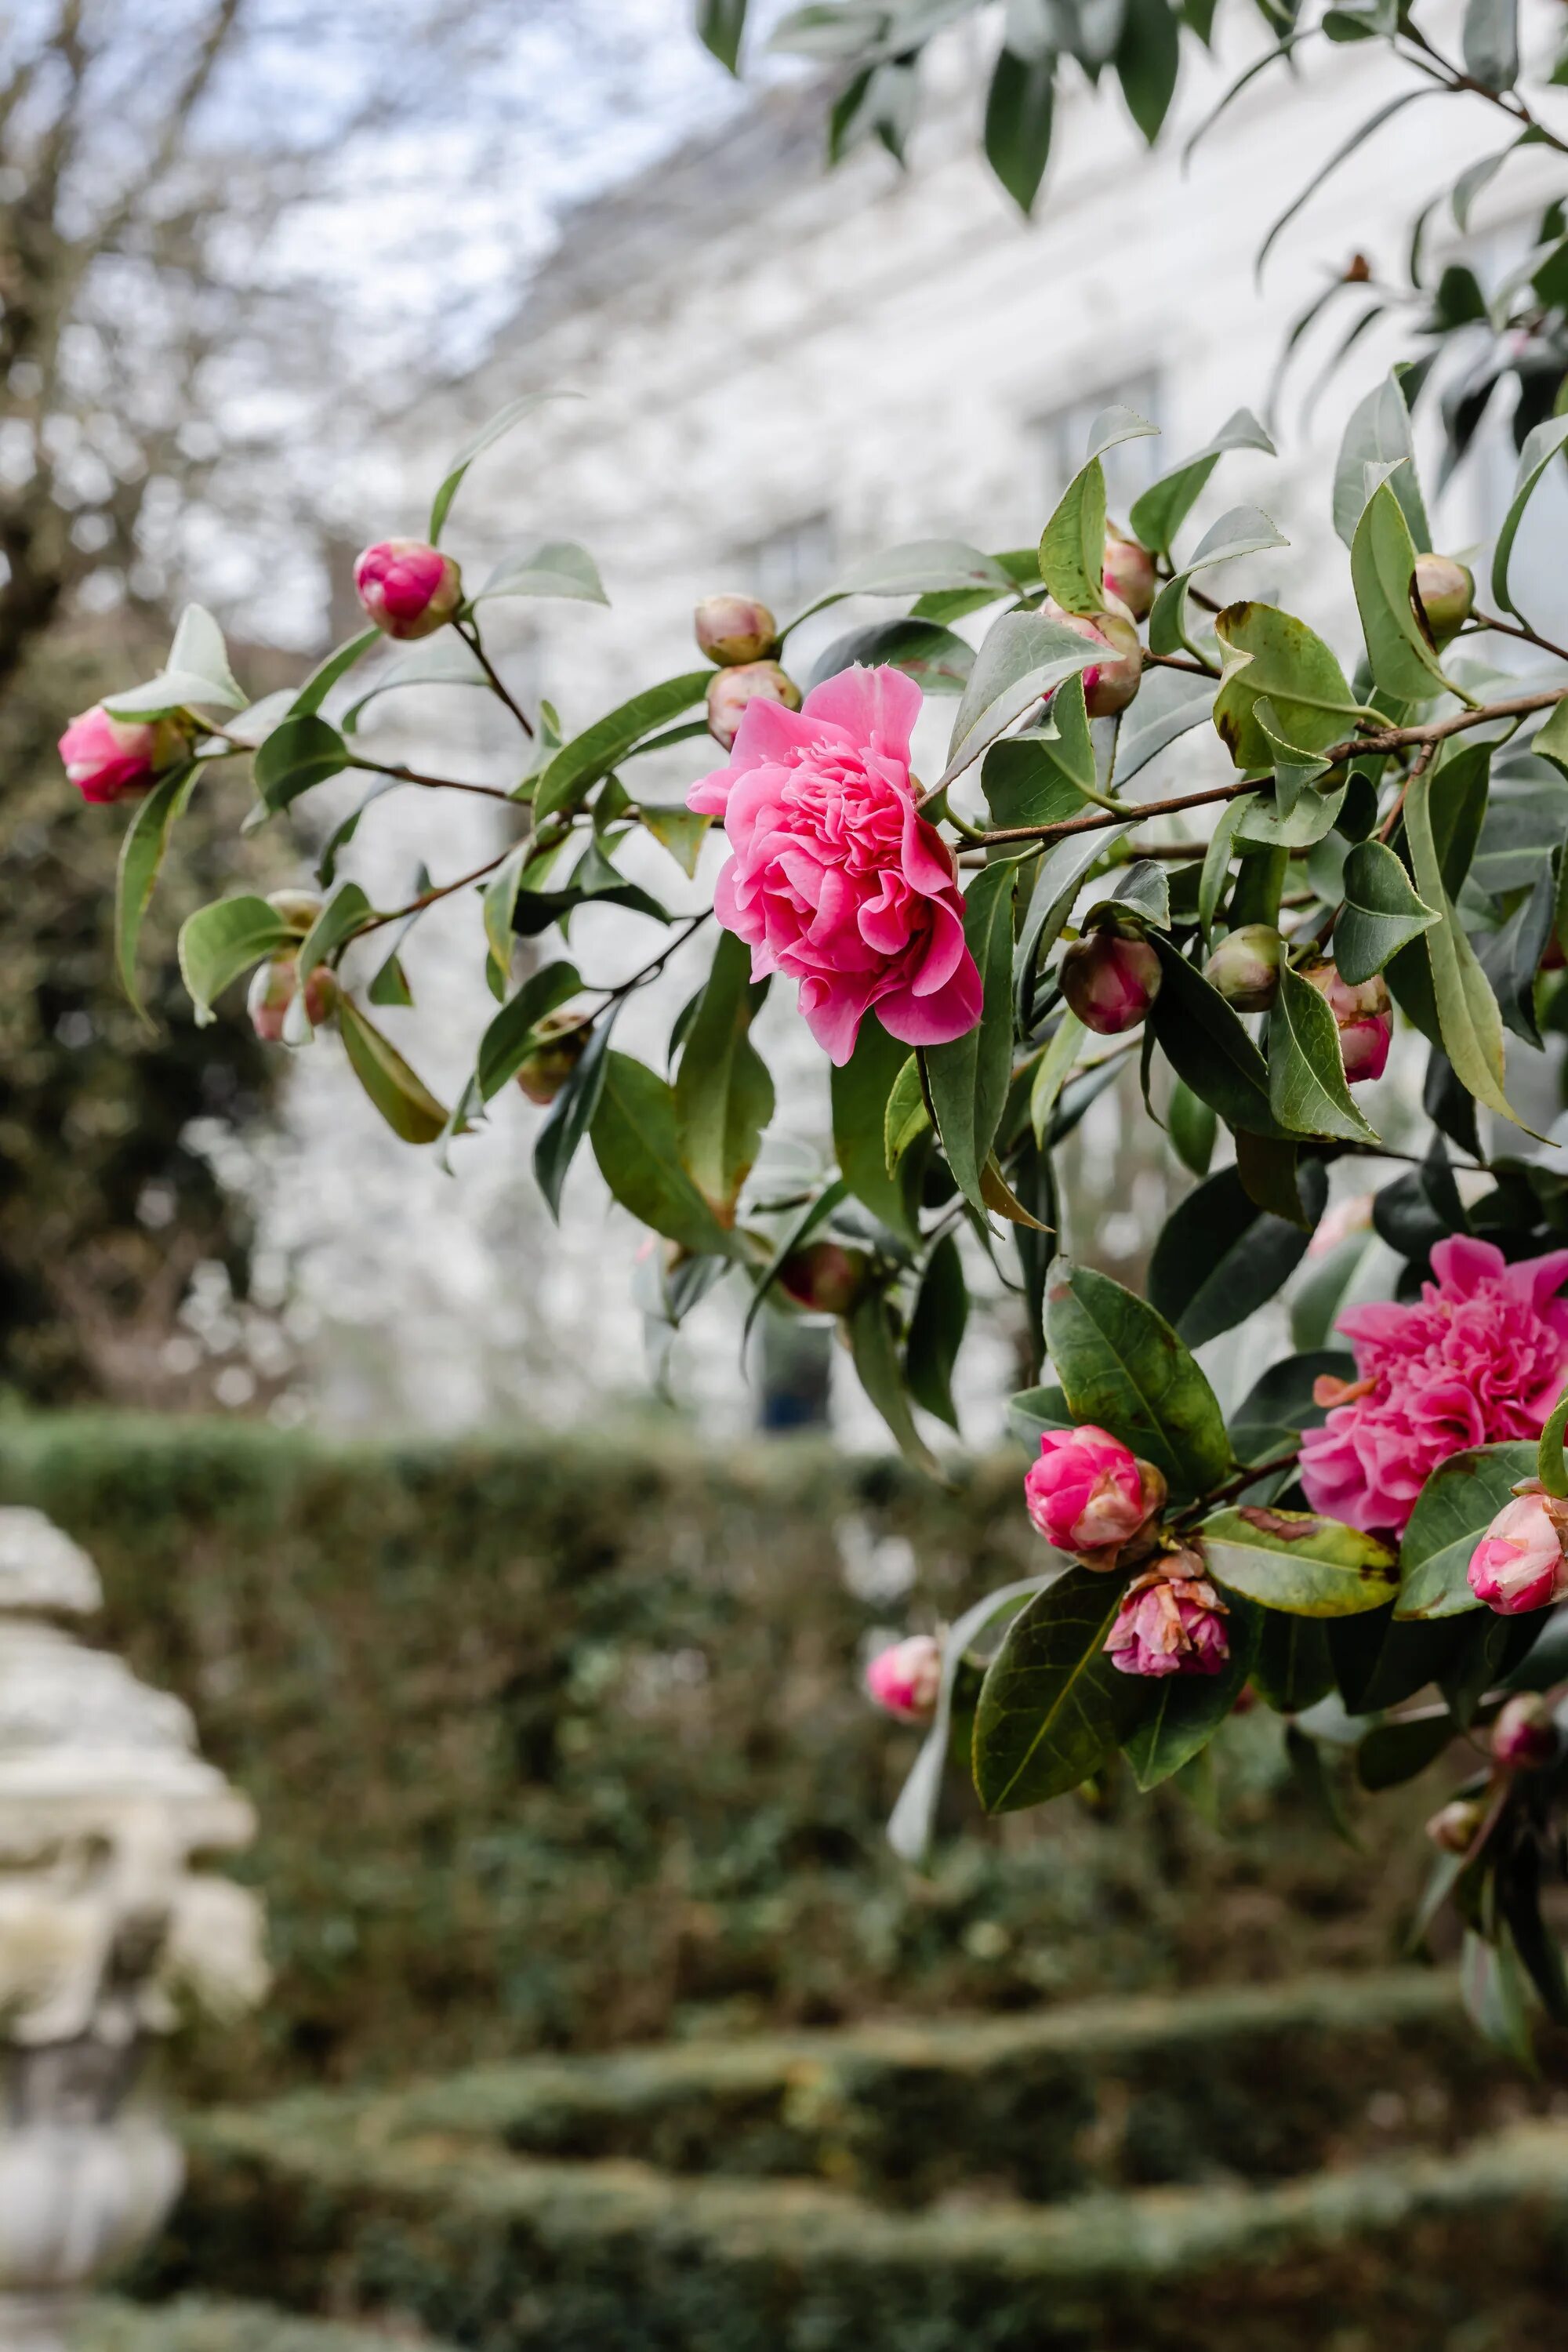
x,y
1245,968
732,688
561,1040
825,1278
1171,1622
273,986
1454,1826
1447,593
1363,1017
1108,686
298,908
106,757
1130,574
1519,1563
1525,1736
1109,979
409,589
907,1679
1352,1215
732,629
1089,1494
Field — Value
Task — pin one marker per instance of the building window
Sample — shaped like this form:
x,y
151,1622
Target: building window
x,y
790,565
1061,437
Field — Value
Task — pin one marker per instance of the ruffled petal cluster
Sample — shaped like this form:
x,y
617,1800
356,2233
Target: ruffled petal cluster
x,y
1171,1622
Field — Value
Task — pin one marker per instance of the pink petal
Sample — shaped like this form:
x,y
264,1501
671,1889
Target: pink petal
x,y
880,703
935,1020
1461,1262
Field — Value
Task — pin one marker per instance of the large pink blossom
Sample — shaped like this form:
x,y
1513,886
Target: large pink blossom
x,y
837,881
1480,1356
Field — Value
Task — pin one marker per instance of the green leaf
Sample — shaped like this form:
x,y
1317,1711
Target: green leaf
x,y
1453,1512
1379,436
559,568
510,1038
874,1348
936,1331
1297,1561
1295,1667
141,855
1158,515
906,1116
1380,914
1188,1709
969,1078
1122,1366
447,659
1056,884
1052,1706
1192,1126
1147,58
635,1135
499,903
1219,1257
220,942
1018,110
1052,1072
1240,530
572,1112
1214,878
796,1233
911,1825
678,830
861,1091
723,1093
1024,657
1267,653
1307,1088
1392,1753
921,567
501,423
1540,445
326,674
1263,825
1033,779
578,765
348,910
936,659
196,672
1072,545
1551,1468
1467,1010
404,1100
720,26
1489,42
1205,1040
1399,644
302,753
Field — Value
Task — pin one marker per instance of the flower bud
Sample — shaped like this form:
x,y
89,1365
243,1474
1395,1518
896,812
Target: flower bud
x,y
1363,1017
1351,1215
732,688
1108,686
907,1679
106,757
1171,1622
1089,1493
1455,1825
1519,1563
824,1279
1447,593
1525,1736
732,629
1110,978
1129,573
273,987
298,908
561,1040
409,589
1245,967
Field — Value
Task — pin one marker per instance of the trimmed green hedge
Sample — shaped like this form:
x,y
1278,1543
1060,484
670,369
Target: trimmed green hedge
x,y
558,1742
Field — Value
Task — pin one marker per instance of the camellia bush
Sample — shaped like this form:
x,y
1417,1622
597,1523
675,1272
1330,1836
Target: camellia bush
x,y
1171,830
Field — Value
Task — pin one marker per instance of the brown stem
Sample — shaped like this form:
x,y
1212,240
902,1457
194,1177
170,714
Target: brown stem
x,y
440,890
430,783
1519,629
470,636
1179,661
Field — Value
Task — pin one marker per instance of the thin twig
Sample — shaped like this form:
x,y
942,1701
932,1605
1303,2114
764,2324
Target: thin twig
x,y
430,783
470,636
1519,629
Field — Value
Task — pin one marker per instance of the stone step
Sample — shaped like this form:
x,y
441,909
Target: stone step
x,y
1461,2253
193,2323
1254,2082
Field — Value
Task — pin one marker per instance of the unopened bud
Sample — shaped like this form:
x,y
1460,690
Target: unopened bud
x,y
105,758
1525,1736
1454,1826
408,588
1130,572
731,690
1109,979
1108,686
1363,1017
560,1039
907,1679
1447,593
273,987
825,1278
732,629
1245,968
298,908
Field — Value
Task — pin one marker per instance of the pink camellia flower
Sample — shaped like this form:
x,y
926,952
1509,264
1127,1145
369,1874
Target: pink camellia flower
x,y
907,1679
1519,1563
409,589
1479,1357
1171,1622
1363,1017
837,880
1110,980
105,757
1088,1494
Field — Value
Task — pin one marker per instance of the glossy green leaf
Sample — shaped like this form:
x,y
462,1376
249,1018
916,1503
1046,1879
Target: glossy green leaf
x,y
196,672
1052,1071
936,1331
1399,643
1269,653
1147,58
1219,1257
1551,1468
1059,879
678,830
906,1116
142,854
1122,1366
720,25
1024,657
1378,435
1307,1088
1018,110
1294,1668
1540,446
1188,1709
723,1093
1052,1706
969,1078
911,1825
578,765
1467,1010
559,568
1392,1753
1192,1127
860,1092
1159,513
302,753
346,912
796,1233
1049,773
921,567
510,1038
1072,545
402,1098
1382,912
1298,1562
635,1137
937,658
1206,1044
873,1345
488,435
1489,42
1453,1512
220,942
326,674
